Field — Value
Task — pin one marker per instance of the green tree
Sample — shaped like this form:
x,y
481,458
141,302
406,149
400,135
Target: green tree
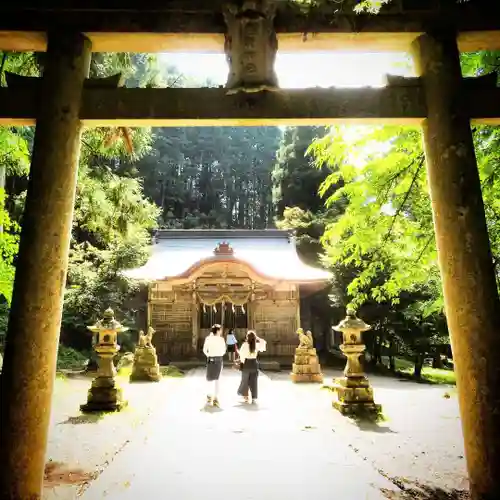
x,y
211,177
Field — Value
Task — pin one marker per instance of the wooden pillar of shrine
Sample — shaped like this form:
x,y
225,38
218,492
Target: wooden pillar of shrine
x,y
470,291
195,324
35,319
250,305
297,319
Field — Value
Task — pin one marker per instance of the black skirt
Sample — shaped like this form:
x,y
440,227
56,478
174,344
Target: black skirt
x,y
214,368
231,348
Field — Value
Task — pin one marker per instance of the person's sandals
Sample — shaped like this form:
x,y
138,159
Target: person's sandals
x,y
216,403
209,400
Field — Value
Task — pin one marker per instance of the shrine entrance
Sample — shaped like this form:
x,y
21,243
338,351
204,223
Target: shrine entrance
x,y
64,100
241,279
227,314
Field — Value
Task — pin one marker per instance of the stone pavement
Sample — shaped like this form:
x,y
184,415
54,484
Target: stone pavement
x,y
267,451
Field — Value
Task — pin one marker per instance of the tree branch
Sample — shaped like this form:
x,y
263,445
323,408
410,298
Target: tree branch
x,y
424,248
403,203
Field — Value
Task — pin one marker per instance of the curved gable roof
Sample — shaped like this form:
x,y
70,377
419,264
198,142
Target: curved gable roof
x,y
270,252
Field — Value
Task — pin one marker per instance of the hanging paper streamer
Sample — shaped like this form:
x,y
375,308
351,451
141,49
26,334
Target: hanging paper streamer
x,y
215,308
204,308
234,310
243,309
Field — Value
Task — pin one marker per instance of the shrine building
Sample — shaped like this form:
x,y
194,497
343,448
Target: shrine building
x,y
241,279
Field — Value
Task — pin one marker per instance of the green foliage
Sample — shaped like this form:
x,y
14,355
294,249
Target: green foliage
x,y
386,233
386,227
4,318
9,242
112,218
349,6
95,282
70,359
110,208
295,178
296,181
14,160
207,177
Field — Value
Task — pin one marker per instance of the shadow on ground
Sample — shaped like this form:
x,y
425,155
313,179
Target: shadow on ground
x,y
367,426
413,490
84,418
211,409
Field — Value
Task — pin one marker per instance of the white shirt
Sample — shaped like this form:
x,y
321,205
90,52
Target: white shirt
x,y
231,339
245,350
214,346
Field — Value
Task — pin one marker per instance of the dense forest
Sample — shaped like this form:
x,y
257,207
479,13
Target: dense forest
x,y
356,197
210,177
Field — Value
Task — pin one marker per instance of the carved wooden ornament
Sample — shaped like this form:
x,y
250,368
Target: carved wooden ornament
x,y
223,248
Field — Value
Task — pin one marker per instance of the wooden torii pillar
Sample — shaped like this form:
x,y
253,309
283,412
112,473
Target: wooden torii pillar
x,y
35,319
470,292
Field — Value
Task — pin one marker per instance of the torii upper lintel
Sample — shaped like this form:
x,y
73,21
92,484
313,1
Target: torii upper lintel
x,y
189,26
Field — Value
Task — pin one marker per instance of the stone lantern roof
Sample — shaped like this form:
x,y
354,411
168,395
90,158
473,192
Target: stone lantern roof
x,y
352,322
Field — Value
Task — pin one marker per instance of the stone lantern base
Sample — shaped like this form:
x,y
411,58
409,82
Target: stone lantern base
x,y
104,395
306,367
355,397
145,367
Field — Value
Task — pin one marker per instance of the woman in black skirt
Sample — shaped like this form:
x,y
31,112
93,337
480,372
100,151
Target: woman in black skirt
x,y
249,365
214,349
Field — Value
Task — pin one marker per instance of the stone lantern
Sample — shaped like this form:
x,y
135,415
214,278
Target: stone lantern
x,y
250,45
354,394
104,394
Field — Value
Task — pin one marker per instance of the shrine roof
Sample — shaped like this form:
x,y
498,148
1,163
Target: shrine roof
x,y
271,253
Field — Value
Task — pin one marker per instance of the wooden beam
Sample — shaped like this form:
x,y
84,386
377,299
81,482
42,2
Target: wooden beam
x,y
204,107
212,107
191,27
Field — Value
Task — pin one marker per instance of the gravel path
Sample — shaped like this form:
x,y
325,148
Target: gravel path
x,y
421,439
81,446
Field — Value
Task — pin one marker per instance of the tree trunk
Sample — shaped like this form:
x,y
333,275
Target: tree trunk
x,y
437,362
377,351
419,364
392,360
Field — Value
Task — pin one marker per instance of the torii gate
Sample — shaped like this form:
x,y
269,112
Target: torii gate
x,y
64,100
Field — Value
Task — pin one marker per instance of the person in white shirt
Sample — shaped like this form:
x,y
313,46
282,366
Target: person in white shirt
x,y
214,349
249,365
232,345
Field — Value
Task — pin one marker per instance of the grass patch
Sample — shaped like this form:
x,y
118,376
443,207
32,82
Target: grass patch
x,y
431,375
438,376
405,367
171,371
